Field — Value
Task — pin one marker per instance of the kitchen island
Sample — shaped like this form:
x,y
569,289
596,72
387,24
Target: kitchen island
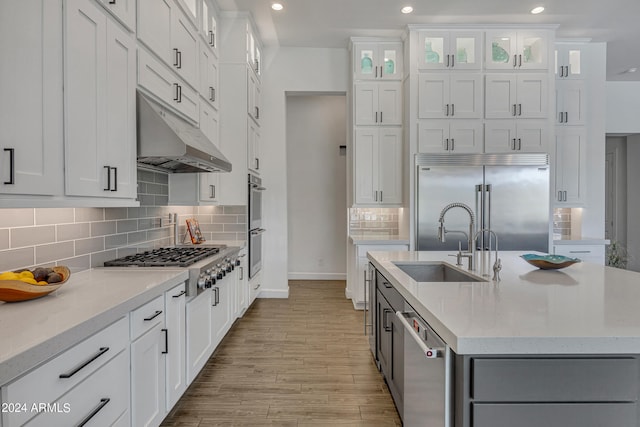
x,y
536,348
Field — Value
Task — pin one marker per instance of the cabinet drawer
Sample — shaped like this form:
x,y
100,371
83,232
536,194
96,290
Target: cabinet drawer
x,y
555,380
100,400
587,253
44,384
146,317
554,415
363,249
389,292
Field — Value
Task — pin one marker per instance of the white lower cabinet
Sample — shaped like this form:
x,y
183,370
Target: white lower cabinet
x,y
586,253
255,285
356,286
199,344
176,367
221,307
71,374
148,375
242,290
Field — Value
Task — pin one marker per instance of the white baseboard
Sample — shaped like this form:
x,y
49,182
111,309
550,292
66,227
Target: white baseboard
x,y
269,293
347,293
317,276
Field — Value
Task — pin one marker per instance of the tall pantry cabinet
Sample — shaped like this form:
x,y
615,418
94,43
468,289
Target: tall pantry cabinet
x,y
377,116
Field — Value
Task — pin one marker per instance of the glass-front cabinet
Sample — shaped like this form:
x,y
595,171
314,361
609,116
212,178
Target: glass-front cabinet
x,y
568,61
378,61
209,25
457,50
517,50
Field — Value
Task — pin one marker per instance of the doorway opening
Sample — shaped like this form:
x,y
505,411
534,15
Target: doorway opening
x,y
316,185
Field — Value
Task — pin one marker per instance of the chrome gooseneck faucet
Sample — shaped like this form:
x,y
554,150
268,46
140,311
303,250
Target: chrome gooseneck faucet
x,y
442,231
497,265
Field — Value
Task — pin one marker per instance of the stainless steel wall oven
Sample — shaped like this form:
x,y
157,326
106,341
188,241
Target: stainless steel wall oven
x,y
255,224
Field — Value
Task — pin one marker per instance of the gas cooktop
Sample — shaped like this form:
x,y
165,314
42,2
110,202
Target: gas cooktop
x,y
166,257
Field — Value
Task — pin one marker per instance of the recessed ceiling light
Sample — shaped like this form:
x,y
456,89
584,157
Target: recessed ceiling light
x,y
277,6
537,10
406,9
632,70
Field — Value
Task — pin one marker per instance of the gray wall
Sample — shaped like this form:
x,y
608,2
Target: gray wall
x,y
316,186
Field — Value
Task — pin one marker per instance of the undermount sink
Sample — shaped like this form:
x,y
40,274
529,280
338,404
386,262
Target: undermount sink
x,y
435,272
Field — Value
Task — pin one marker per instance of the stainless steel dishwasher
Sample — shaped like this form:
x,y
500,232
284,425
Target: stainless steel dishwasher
x,y
427,374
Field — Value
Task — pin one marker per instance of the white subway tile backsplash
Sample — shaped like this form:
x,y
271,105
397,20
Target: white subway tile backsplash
x,y
16,218
54,252
31,236
73,231
54,216
82,238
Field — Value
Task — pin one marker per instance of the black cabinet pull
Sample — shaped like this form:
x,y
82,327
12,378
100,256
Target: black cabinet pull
x,y
78,368
179,60
166,341
97,409
257,113
175,57
211,40
216,300
176,86
385,311
153,316
257,163
180,294
179,93
12,167
115,179
112,1
108,168
387,285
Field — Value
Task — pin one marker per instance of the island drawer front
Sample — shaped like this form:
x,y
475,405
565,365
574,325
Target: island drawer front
x,y
390,293
554,379
554,414
43,384
146,317
105,395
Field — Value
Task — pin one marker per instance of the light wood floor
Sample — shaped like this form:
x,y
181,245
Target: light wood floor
x,y
303,361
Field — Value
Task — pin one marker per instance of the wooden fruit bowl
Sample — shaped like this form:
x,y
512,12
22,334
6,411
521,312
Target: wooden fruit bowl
x,y
15,290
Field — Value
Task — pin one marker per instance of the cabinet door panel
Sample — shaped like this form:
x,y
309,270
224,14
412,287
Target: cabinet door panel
x,y
366,104
500,96
85,92
148,378
199,344
185,40
466,96
533,136
124,10
500,136
532,50
121,110
465,48
366,166
390,166
390,103
500,49
31,115
571,102
570,166
532,95
154,27
433,136
433,92
390,60
433,46
176,341
466,136
365,61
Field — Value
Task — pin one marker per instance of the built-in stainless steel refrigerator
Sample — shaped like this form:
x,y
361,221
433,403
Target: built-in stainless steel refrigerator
x,y
508,193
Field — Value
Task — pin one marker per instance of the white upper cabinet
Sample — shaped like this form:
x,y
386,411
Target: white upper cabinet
x,y
378,166
123,10
170,34
450,136
208,76
209,25
449,50
571,174
569,61
377,60
448,95
512,136
31,77
516,96
571,102
517,50
100,110
190,8
254,55
254,97
378,103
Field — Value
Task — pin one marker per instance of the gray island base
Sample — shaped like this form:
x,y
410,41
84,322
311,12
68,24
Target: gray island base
x,y
538,348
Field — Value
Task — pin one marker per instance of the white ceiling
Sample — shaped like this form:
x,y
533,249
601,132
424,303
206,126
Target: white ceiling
x,y
330,23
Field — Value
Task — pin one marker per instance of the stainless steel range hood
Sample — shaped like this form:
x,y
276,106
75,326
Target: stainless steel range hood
x,y
169,143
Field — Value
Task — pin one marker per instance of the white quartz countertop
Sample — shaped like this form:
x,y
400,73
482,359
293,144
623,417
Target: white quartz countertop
x,y
33,331
370,238
582,309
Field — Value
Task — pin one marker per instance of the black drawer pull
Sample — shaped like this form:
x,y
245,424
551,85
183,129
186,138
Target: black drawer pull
x,y
387,285
156,314
12,168
166,341
78,368
180,294
93,413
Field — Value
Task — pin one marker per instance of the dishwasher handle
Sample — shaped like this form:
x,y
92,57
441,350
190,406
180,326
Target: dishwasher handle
x,y
429,353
